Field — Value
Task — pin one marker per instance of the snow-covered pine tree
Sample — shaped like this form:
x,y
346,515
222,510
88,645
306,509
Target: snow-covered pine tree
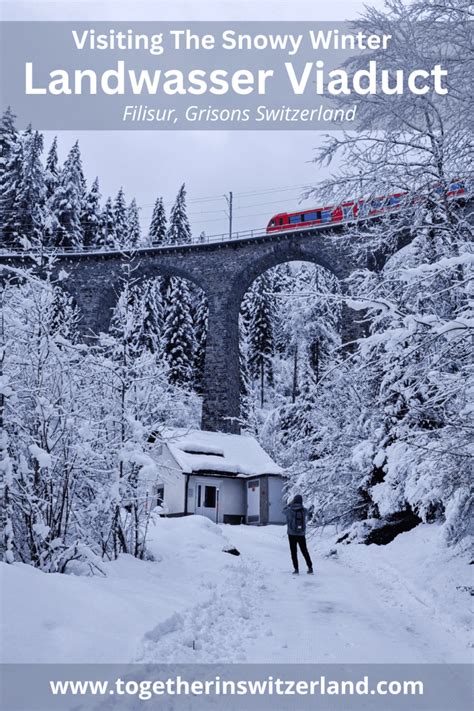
x,y
10,178
248,397
51,174
26,212
300,426
107,237
8,135
64,316
314,311
124,324
32,192
67,202
284,284
157,231
120,219
90,216
149,316
6,463
200,319
179,230
260,333
245,317
133,230
296,421
179,340
247,400
9,174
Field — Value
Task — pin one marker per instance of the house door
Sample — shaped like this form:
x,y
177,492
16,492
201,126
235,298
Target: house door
x,y
253,501
207,501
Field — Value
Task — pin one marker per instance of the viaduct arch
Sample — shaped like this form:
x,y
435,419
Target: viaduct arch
x,y
224,270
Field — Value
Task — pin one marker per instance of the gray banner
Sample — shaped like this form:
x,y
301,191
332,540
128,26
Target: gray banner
x,y
236,75
444,687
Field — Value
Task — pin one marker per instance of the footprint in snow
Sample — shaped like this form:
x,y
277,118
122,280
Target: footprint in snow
x,y
215,630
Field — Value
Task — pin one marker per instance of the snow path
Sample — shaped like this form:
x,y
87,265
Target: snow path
x,y
258,612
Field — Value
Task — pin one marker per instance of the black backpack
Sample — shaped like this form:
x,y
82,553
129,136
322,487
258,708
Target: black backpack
x,y
299,521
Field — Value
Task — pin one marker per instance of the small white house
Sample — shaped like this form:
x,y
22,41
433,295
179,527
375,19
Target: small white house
x,y
228,478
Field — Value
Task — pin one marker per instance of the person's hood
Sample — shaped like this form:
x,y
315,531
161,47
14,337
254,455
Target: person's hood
x,y
297,502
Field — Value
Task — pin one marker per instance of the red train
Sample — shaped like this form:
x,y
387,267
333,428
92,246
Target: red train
x,y
347,210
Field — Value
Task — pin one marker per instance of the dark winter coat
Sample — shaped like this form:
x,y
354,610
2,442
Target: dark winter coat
x,y
290,513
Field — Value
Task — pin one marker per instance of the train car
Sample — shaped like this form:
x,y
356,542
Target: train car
x,y
332,214
348,211
456,189
308,218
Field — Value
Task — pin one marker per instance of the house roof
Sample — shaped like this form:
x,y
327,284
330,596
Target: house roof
x,y
196,450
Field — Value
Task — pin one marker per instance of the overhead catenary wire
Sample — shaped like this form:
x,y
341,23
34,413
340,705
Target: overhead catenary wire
x,y
251,193
193,214
258,214
194,201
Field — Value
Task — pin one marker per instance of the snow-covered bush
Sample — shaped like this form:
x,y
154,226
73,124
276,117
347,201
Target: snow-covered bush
x,y
76,420
390,436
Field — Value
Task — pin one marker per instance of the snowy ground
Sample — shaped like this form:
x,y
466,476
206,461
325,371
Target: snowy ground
x,y
406,602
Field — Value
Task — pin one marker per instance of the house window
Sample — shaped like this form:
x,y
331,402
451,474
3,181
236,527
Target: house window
x,y
210,497
160,495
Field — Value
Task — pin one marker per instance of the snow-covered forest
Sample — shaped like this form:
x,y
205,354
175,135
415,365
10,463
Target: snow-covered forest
x,y
375,434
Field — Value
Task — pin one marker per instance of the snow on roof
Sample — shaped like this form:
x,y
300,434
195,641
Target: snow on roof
x,y
196,450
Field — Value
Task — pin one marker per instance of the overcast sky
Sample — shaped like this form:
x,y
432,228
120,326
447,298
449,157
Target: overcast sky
x,y
266,170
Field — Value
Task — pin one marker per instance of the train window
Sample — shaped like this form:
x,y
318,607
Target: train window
x,y
327,215
310,216
457,186
271,223
280,221
376,204
394,200
295,218
347,211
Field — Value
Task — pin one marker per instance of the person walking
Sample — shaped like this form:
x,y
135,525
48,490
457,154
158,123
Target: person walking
x,y
296,516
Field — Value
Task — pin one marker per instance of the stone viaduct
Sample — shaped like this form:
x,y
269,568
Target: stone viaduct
x,y
224,270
